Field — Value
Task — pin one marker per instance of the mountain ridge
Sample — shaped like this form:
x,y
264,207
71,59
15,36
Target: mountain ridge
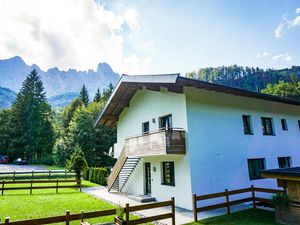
x,y
13,72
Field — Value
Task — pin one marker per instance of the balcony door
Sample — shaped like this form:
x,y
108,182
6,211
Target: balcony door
x,y
165,122
147,178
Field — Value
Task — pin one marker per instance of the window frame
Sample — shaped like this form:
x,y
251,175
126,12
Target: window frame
x,y
263,124
143,126
172,173
284,125
258,177
161,127
285,157
247,120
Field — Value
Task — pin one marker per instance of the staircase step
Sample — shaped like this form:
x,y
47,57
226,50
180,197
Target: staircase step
x,y
142,198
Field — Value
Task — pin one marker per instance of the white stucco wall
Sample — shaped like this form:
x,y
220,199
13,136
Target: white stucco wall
x,y
144,106
218,147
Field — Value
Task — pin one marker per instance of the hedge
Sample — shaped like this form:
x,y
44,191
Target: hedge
x,y
96,175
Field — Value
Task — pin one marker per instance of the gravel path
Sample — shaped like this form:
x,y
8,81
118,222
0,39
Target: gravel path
x,y
11,168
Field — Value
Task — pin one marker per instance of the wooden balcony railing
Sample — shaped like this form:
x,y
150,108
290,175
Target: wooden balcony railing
x,y
161,142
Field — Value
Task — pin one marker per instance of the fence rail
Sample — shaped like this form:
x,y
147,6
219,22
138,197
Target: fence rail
x,y
36,174
68,217
129,209
31,187
229,203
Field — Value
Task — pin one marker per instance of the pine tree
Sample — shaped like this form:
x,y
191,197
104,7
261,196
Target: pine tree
x,y
107,92
84,96
31,121
97,97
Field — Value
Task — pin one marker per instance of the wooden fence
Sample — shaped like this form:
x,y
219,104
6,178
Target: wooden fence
x,y
228,202
68,217
128,209
31,187
37,174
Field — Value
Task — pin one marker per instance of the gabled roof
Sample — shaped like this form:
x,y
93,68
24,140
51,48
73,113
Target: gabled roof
x,y
128,85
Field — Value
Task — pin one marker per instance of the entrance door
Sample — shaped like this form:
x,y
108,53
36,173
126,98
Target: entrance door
x,y
147,178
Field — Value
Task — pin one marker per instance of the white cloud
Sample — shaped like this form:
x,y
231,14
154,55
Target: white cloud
x,y
130,17
282,57
287,24
68,34
279,30
296,22
263,54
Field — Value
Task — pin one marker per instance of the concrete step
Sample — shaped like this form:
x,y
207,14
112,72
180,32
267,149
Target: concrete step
x,y
142,198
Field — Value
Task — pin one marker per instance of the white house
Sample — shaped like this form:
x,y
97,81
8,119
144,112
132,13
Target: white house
x,y
177,136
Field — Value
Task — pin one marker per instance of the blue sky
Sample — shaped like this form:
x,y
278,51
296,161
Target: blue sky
x,y
159,36
212,33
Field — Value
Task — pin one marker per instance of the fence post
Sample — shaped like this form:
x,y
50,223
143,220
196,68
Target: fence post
x,y
6,220
227,201
56,186
14,177
127,212
253,196
65,174
31,186
80,185
195,207
82,216
173,210
68,217
3,186
32,174
49,174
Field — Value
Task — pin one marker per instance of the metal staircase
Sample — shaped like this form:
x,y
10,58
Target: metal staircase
x,y
121,172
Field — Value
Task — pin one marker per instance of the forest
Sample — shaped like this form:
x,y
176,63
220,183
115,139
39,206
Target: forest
x,y
248,78
32,130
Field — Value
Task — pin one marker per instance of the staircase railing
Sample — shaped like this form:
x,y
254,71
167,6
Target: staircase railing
x,y
116,170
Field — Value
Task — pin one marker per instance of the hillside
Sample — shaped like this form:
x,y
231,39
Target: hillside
x,y
248,78
14,70
7,97
62,100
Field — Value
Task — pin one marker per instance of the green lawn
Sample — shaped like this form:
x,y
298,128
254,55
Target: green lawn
x,y
247,217
20,205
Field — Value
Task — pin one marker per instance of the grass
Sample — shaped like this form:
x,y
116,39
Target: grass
x,y
50,167
20,205
246,217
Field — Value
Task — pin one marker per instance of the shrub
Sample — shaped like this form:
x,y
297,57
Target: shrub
x,y
281,201
45,160
91,174
77,162
96,175
85,174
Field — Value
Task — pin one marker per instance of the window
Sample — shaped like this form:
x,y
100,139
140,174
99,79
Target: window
x,y
168,176
284,162
247,124
299,124
145,127
255,166
267,126
165,122
284,124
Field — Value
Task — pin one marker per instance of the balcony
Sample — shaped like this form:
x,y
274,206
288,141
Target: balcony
x,y
162,142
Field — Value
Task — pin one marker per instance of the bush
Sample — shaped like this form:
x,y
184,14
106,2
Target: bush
x,y
96,175
85,174
281,201
77,162
45,160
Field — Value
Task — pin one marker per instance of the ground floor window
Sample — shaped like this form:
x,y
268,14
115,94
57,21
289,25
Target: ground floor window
x,y
168,173
284,162
255,166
